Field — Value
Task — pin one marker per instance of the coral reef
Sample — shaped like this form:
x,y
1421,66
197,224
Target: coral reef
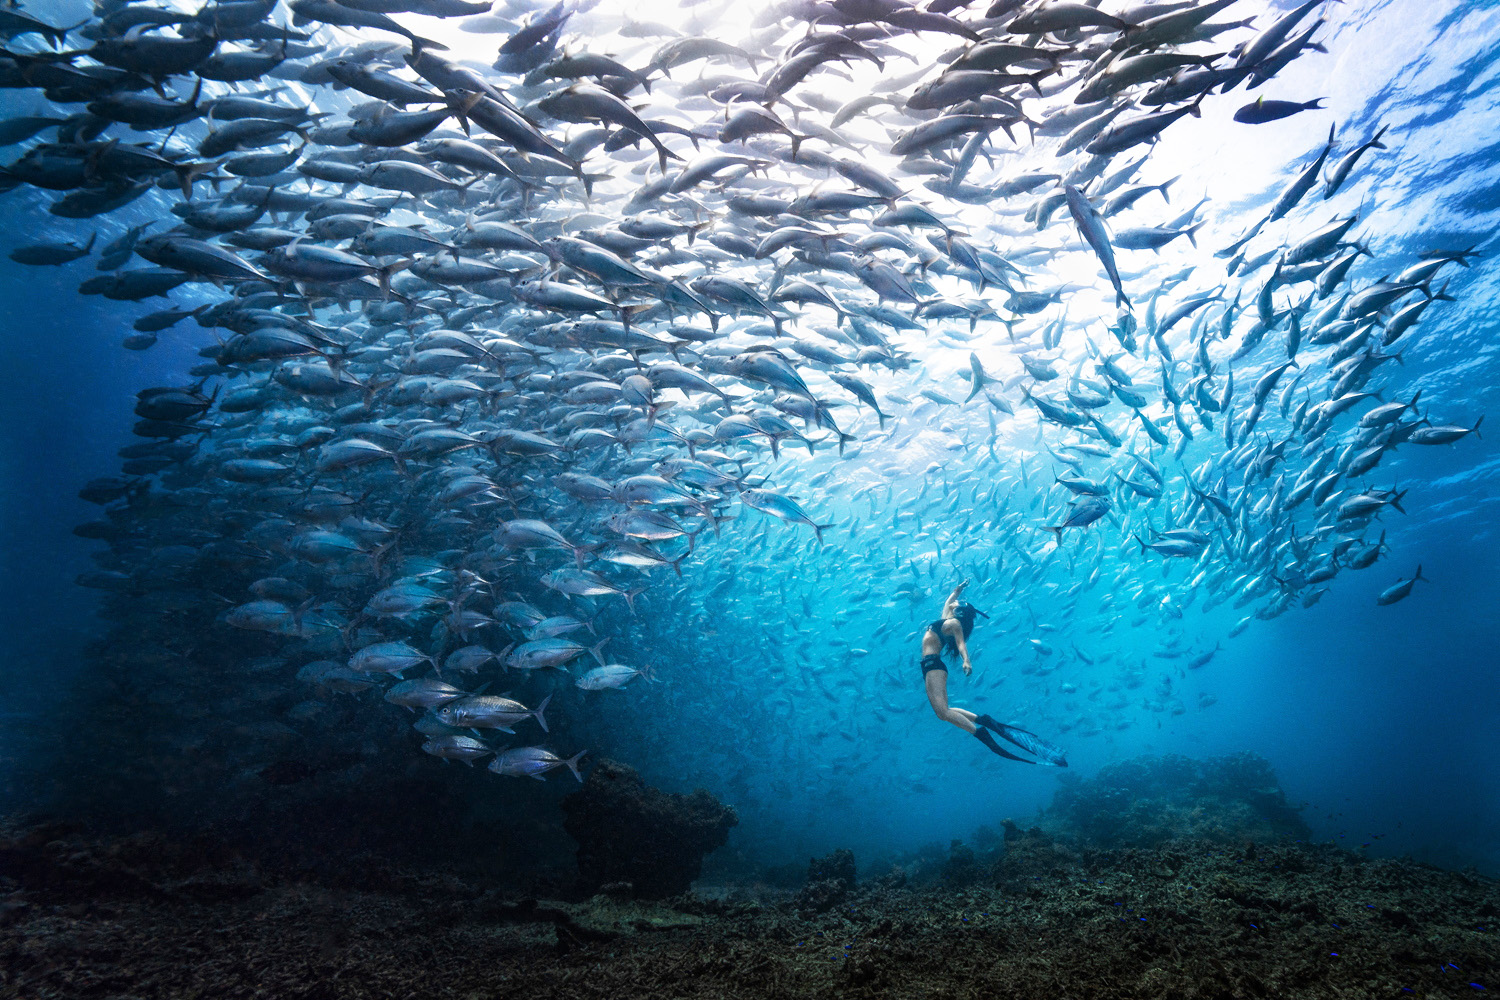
x,y
1028,854
84,917
1206,899
638,840
830,879
1150,801
962,867
839,865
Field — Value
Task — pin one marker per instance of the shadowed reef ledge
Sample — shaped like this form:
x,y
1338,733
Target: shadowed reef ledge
x,y
1158,877
141,916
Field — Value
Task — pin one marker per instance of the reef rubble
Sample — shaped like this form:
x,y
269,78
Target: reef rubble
x,y
85,916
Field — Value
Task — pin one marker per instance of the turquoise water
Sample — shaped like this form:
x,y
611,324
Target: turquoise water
x,y
786,670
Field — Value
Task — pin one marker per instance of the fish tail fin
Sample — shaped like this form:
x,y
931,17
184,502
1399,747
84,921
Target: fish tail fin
x,y
187,173
1375,142
1418,575
541,719
59,36
818,530
1191,233
572,763
387,272
1057,531
1475,429
630,596
598,648
1162,187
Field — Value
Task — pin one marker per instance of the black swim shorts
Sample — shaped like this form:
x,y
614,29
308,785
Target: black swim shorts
x,y
933,661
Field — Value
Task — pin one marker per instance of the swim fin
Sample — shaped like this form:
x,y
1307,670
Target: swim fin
x,y
987,738
1046,753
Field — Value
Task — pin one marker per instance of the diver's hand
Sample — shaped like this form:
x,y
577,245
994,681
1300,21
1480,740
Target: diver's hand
x,y
968,668
960,588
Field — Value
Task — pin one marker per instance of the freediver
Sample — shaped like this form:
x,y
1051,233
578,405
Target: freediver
x,y
950,634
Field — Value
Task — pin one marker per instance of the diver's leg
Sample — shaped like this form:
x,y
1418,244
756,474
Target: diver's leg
x,y
966,720
937,695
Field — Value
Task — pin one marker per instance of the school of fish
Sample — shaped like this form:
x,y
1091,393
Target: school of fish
x,y
500,358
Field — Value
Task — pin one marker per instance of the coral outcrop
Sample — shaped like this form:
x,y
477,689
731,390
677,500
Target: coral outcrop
x,y
638,840
1150,801
830,879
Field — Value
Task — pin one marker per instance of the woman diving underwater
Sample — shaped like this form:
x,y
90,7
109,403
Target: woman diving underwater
x,y
950,634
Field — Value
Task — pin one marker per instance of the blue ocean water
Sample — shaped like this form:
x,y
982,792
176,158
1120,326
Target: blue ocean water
x,y
1380,718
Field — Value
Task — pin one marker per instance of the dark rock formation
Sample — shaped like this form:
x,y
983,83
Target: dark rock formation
x,y
1028,853
829,882
822,896
629,832
90,918
838,865
962,867
1149,801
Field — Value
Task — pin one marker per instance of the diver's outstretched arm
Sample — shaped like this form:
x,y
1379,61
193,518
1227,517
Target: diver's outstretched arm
x,y
952,601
